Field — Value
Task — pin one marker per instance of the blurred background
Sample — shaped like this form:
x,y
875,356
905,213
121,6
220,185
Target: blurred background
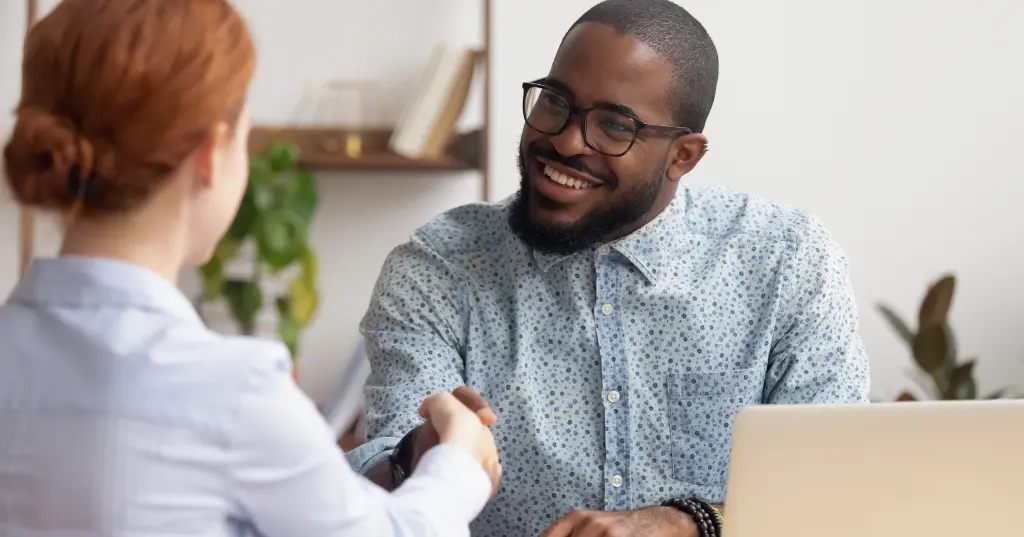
x,y
899,123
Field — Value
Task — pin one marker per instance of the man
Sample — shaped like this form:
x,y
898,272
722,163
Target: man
x,y
615,321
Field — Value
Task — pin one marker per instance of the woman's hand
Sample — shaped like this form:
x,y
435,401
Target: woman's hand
x,y
461,418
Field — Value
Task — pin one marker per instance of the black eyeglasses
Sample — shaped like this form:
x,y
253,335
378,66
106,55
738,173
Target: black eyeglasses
x,y
605,130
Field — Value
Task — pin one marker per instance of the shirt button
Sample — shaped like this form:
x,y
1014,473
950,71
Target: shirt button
x,y
603,250
616,480
607,309
613,396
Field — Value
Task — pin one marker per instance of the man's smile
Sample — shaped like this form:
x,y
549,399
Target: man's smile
x,y
562,184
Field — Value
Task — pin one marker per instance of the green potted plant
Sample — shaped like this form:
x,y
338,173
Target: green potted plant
x,y
934,350
264,265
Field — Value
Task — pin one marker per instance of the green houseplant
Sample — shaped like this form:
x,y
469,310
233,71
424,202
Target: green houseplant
x,y
274,217
933,347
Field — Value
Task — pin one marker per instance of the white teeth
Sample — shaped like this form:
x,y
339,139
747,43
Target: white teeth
x,y
564,179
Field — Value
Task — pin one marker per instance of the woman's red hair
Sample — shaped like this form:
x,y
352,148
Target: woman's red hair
x,y
120,93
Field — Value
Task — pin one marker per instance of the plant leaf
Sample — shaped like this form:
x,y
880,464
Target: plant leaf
x,y
930,347
244,300
906,396
288,328
263,192
300,195
968,391
998,394
897,324
246,215
937,301
212,272
310,264
281,239
282,156
959,381
951,349
304,300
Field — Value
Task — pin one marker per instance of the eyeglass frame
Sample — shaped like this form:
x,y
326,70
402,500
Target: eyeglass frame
x,y
667,130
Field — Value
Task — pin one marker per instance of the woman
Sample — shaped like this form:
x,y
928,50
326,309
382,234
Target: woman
x,y
120,413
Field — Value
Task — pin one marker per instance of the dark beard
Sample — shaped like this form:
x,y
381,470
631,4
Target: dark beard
x,y
594,228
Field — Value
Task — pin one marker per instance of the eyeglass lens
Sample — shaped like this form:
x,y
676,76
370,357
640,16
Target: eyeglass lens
x,y
607,131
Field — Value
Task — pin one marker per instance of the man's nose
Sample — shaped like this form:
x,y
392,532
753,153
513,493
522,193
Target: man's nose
x,y
571,142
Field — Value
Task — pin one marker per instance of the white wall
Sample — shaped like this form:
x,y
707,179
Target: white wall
x,y
897,122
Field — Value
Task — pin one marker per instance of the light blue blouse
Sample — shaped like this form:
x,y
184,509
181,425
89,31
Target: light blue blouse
x,y
121,414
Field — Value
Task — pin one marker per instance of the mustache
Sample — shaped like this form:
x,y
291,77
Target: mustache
x,y
574,162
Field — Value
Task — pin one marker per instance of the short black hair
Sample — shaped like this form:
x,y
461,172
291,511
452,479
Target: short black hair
x,y
677,37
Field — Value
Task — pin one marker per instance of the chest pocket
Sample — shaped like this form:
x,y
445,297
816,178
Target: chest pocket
x,y
703,407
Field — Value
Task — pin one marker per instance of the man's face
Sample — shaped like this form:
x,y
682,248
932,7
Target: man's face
x,y
606,196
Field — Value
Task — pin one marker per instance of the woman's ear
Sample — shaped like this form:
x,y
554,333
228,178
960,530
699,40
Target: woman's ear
x,y
204,159
685,153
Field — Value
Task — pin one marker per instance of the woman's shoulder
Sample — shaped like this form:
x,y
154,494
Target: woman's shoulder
x,y
203,380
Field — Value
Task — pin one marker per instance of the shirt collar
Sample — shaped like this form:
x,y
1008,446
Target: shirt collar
x,y
71,281
650,249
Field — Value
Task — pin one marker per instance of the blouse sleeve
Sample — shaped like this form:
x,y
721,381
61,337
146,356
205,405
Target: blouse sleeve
x,y
290,478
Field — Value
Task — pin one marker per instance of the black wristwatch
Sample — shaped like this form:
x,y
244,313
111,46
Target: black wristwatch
x,y
704,515
401,458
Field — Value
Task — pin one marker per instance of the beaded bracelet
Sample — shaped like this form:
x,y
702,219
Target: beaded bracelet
x,y
714,513
704,515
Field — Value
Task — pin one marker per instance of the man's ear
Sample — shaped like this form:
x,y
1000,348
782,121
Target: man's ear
x,y
685,153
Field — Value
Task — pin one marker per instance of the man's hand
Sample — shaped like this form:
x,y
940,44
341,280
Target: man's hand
x,y
459,419
647,522
427,436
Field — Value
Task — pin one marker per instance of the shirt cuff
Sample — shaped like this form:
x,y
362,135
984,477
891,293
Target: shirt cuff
x,y
371,453
468,483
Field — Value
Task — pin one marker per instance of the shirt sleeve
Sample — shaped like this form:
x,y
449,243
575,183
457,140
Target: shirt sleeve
x,y
290,478
818,355
414,340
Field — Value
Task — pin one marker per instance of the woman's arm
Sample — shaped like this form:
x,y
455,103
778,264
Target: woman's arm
x,y
290,478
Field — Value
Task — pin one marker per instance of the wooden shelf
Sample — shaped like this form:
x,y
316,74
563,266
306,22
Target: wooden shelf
x,y
472,150
322,149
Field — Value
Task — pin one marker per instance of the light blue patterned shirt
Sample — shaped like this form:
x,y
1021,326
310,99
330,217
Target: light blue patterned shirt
x,y
121,415
615,372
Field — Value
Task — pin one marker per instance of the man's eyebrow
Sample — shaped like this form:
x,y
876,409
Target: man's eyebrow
x,y
558,85
564,88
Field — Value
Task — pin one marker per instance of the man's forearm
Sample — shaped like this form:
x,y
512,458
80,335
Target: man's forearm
x,y
399,464
381,475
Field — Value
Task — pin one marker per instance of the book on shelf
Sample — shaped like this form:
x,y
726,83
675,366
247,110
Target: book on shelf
x,y
428,120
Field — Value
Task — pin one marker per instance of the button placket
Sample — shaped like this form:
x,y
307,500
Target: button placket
x,y
615,377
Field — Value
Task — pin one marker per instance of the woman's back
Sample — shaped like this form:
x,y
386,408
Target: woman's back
x,y
122,415
119,409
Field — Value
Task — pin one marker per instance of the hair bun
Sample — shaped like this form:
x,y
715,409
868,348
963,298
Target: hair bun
x,y
39,158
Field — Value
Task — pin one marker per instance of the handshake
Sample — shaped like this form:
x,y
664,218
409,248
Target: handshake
x,y
461,418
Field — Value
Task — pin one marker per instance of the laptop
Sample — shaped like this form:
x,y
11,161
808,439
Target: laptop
x,y
915,469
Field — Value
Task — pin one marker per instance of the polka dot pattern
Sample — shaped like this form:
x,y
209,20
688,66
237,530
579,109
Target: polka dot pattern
x,y
723,301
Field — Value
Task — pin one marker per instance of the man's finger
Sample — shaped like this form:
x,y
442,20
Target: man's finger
x,y
565,526
476,403
435,403
562,528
